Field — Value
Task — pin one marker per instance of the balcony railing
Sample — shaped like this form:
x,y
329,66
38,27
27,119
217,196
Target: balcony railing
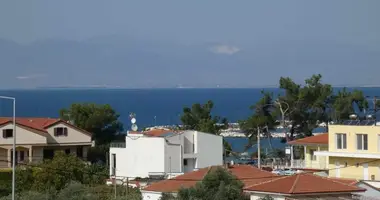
x,y
117,145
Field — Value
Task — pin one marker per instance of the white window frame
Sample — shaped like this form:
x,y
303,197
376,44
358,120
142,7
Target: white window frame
x,y
343,143
362,142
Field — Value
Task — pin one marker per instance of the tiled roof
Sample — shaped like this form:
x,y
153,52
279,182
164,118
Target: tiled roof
x,y
38,124
317,139
35,123
303,183
345,180
246,173
153,132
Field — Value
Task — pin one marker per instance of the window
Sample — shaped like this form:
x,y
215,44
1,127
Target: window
x,y
312,155
362,141
113,160
80,152
185,162
60,131
7,133
341,141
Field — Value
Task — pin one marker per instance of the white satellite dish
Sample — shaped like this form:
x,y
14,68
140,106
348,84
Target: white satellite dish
x,y
133,120
134,127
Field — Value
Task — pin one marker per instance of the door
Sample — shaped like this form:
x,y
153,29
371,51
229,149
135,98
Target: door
x,y
365,171
337,169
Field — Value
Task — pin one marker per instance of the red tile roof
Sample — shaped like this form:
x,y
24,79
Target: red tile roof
x,y
246,173
39,124
344,180
303,183
153,132
317,139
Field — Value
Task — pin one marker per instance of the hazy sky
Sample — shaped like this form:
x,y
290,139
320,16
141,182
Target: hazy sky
x,y
192,43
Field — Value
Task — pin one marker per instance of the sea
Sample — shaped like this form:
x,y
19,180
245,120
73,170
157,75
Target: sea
x,y
151,106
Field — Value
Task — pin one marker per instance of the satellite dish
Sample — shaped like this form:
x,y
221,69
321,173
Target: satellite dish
x,y
353,116
133,120
134,127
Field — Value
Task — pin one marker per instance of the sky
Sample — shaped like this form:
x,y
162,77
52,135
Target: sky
x,y
214,43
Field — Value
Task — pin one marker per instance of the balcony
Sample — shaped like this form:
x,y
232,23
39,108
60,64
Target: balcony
x,y
117,145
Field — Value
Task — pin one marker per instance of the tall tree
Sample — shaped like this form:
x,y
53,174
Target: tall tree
x,y
345,103
101,120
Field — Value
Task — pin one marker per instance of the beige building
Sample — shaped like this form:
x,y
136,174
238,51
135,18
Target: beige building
x,y
39,138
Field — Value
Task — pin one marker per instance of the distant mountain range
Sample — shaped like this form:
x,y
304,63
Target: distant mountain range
x,y
131,63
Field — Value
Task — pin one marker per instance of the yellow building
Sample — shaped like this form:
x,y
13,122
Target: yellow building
x,y
309,146
353,151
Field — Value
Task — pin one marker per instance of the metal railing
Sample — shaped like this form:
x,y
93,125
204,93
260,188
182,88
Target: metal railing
x,y
118,145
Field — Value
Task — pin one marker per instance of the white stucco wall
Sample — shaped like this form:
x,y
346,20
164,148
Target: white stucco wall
x,y
147,195
259,196
23,136
173,158
209,150
139,157
73,135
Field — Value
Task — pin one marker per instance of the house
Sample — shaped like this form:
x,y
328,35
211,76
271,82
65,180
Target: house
x,y
164,153
38,138
310,145
302,186
248,174
354,150
259,183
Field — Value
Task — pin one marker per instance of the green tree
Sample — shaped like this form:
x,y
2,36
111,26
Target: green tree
x,y
217,184
199,118
345,103
58,172
100,120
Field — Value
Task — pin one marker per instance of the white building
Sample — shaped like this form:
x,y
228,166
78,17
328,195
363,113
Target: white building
x,y
164,153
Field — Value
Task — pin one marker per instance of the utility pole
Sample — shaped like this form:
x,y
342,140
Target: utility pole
x,y
258,149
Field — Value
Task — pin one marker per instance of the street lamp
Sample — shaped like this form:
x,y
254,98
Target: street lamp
x,y
14,145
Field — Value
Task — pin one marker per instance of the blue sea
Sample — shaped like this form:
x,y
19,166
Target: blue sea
x,y
152,106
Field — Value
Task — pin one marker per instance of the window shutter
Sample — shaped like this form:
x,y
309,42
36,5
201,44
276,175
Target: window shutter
x,y
65,131
55,132
4,134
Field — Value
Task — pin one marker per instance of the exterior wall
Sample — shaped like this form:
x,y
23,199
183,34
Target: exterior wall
x,y
186,139
209,150
259,196
351,131
321,162
352,171
147,195
140,156
173,158
23,136
73,135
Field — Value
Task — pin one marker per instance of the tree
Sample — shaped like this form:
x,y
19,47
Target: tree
x,y
217,184
58,172
301,108
345,103
199,118
100,120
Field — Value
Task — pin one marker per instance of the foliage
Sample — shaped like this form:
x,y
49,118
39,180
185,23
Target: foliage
x,y
218,184
300,108
77,191
199,118
167,196
100,120
345,102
